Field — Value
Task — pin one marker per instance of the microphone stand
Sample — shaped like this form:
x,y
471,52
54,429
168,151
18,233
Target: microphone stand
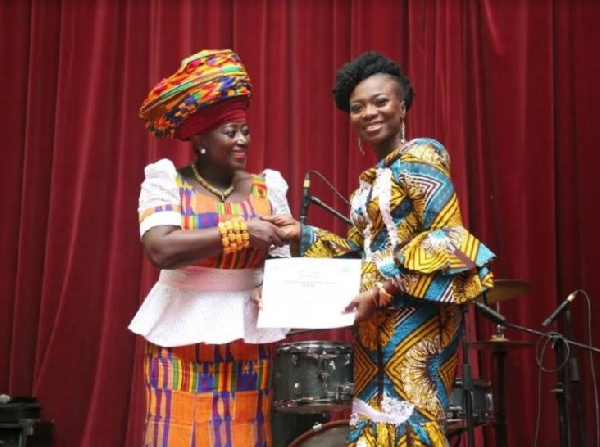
x,y
562,393
467,380
574,378
559,344
304,210
326,207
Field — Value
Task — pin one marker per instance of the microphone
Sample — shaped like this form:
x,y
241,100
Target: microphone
x,y
305,198
326,207
490,313
559,310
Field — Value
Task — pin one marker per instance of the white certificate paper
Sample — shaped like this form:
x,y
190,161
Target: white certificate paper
x,y
308,293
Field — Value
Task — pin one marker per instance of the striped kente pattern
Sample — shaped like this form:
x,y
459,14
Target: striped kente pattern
x,y
211,395
200,211
208,395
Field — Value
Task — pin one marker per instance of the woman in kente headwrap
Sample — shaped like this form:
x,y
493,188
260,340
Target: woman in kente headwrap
x,y
207,364
420,264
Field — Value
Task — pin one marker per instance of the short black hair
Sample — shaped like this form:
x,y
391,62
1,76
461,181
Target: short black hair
x,y
359,69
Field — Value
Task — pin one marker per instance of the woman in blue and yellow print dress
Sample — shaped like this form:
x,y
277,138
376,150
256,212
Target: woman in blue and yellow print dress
x,y
420,264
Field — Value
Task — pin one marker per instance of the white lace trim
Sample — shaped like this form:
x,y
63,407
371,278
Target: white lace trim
x,y
393,411
359,208
202,305
159,188
383,190
277,188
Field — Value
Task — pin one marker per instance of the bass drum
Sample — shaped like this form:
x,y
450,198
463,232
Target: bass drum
x,y
332,434
288,426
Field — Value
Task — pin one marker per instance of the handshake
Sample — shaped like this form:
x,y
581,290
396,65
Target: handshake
x,y
277,230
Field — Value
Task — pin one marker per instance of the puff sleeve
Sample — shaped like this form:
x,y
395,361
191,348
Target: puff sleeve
x,y
159,202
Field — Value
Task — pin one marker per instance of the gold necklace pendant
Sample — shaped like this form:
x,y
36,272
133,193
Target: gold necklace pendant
x,y
210,188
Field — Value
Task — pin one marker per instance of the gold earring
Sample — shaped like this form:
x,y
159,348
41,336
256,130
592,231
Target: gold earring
x,y
360,148
402,133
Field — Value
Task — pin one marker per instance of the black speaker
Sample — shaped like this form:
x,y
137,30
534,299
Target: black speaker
x,y
26,433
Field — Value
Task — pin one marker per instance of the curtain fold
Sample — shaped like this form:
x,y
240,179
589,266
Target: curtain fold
x,y
510,88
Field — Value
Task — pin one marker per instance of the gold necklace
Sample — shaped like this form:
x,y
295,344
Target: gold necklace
x,y
210,188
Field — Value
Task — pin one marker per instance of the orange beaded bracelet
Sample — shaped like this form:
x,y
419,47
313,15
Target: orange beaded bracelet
x,y
234,235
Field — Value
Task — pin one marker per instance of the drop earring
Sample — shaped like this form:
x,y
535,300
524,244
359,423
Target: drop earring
x,y
402,133
360,148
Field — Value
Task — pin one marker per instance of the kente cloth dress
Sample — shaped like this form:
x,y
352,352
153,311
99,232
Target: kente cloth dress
x,y
407,226
207,364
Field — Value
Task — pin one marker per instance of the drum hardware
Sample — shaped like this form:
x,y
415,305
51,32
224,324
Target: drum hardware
x,y
313,377
499,345
482,405
342,392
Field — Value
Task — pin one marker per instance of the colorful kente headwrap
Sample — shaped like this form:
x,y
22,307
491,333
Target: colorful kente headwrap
x,y
204,79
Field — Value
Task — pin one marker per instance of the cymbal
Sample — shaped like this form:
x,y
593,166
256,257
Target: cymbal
x,y
500,344
504,290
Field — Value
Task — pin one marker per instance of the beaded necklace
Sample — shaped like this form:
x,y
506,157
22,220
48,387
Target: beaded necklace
x,y
210,188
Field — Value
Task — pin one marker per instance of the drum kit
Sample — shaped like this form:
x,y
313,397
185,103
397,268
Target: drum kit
x,y
314,379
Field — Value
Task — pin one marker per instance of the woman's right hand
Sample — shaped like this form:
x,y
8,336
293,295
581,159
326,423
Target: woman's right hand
x,y
289,227
263,234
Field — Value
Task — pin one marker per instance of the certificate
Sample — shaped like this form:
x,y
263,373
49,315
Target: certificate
x,y
308,293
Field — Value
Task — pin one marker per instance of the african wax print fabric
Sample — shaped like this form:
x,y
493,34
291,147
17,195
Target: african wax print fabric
x,y
408,228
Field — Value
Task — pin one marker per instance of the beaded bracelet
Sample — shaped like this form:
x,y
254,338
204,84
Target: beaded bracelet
x,y
234,235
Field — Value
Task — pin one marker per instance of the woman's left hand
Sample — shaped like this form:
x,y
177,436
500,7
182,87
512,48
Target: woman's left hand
x,y
364,305
256,296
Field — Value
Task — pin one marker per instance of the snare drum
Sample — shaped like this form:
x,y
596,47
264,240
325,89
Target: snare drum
x,y
332,434
483,405
313,377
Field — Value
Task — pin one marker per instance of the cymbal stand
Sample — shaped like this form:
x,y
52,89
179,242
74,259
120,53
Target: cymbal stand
x,y
500,419
500,358
467,380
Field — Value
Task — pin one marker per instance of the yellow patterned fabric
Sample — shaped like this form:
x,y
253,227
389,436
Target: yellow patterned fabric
x,y
407,227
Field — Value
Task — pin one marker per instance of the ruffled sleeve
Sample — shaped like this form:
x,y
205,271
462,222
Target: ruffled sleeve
x,y
159,203
443,262
277,189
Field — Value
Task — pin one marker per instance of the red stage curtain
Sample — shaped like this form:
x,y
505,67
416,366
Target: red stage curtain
x,y
509,87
